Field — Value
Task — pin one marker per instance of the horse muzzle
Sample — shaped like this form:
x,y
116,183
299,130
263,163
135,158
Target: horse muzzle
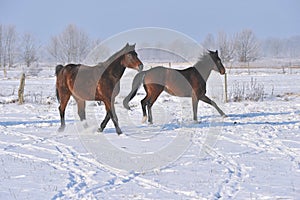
x,y
222,71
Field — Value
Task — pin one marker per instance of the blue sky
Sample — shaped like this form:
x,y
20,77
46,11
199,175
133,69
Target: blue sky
x,y
196,18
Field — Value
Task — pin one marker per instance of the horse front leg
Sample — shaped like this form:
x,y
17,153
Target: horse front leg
x,y
211,102
115,119
110,114
104,122
195,108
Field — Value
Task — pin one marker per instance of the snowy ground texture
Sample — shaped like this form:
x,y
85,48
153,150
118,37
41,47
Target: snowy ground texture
x,y
254,153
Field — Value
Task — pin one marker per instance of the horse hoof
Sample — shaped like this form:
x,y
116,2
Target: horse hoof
x,y
61,129
118,130
100,130
127,107
85,125
224,116
144,119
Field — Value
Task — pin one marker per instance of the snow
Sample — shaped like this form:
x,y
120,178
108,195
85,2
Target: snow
x,y
254,153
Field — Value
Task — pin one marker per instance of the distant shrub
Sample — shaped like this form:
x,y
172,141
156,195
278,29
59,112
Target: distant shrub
x,y
39,98
246,91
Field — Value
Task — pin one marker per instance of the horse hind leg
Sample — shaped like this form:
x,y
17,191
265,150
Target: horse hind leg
x,y
81,111
146,106
144,103
64,98
150,118
152,94
62,119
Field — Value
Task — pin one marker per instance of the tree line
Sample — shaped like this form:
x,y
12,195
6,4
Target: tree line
x,y
73,44
245,47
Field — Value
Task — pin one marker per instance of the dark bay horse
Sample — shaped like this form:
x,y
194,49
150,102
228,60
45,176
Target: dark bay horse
x,y
190,82
98,83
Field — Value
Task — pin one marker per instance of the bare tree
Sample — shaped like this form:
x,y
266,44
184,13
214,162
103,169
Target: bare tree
x,y
1,45
29,50
99,53
276,47
293,46
247,46
54,49
10,36
226,45
72,45
209,42
177,46
8,48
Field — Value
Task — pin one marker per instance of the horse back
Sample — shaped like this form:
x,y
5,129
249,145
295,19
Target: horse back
x,y
156,76
79,80
181,83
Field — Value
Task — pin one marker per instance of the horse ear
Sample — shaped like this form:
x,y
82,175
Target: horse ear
x,y
127,44
217,52
209,51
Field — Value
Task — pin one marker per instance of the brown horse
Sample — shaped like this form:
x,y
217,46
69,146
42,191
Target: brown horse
x,y
190,82
98,83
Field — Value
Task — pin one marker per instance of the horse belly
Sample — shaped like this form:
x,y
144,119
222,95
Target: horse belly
x,y
177,84
180,90
84,89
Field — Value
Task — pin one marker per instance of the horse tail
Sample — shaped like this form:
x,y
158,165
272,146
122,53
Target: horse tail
x,y
58,68
57,95
136,83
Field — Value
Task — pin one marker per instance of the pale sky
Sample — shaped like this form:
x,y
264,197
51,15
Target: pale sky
x,y
195,18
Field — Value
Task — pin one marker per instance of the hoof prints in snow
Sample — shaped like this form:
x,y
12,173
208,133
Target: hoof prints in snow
x,y
255,155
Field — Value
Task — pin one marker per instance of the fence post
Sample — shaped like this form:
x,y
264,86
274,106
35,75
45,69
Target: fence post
x,y
225,80
4,71
21,89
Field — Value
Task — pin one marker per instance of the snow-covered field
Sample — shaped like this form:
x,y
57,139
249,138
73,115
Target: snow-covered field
x,y
254,153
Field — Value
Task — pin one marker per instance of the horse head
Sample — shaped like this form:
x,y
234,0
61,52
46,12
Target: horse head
x,y
218,63
130,59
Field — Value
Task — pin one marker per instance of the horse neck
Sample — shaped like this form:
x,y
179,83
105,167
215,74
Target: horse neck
x,y
116,69
204,67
